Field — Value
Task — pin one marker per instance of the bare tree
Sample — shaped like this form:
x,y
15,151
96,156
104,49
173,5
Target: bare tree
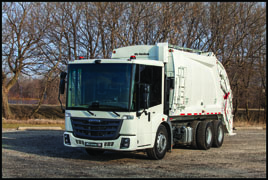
x,y
24,25
40,38
52,51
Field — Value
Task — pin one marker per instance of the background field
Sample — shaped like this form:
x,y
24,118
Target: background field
x,y
48,115
51,115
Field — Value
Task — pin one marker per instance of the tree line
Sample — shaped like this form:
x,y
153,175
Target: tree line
x,y
39,38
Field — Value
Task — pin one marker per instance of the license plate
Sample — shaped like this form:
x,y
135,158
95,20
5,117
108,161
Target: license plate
x,y
93,144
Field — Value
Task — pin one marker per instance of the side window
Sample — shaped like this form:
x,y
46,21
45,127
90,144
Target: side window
x,y
156,86
146,74
152,75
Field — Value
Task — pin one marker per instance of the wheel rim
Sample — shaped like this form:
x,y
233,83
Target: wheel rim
x,y
220,134
161,142
208,135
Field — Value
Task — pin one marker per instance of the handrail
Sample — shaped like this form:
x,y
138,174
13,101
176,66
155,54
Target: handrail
x,y
190,50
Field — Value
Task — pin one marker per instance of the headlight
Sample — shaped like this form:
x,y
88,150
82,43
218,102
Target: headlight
x,y
67,114
67,139
127,117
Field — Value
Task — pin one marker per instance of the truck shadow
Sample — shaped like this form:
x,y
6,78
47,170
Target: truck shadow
x,y
50,144
184,147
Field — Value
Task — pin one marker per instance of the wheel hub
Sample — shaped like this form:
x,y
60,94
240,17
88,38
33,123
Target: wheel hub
x,y
220,134
161,143
208,135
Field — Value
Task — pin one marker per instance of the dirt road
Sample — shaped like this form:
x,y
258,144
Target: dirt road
x,y
41,154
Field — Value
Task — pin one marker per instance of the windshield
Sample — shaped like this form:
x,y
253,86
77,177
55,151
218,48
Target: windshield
x,y
99,86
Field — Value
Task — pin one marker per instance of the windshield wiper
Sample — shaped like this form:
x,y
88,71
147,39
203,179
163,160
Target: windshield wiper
x,y
90,111
116,113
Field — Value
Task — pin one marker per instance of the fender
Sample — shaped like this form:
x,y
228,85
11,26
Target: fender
x,y
168,126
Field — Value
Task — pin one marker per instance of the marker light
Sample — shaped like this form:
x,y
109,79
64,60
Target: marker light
x,y
132,57
97,61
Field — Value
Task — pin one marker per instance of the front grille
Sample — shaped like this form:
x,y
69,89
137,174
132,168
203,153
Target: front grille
x,y
96,129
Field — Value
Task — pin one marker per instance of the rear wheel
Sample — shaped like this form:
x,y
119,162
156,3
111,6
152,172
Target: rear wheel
x,y
160,146
204,135
218,132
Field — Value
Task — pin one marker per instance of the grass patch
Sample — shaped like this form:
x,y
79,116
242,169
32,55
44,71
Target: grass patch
x,y
244,123
12,123
47,116
15,126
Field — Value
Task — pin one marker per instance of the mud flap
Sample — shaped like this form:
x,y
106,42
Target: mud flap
x,y
170,135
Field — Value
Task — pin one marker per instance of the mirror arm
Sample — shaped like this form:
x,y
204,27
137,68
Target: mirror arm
x,y
140,113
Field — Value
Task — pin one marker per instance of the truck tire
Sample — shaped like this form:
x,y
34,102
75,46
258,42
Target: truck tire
x,y
204,135
218,132
160,146
194,125
94,152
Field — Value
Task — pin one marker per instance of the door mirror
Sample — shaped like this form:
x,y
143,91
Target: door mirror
x,y
146,95
62,87
144,98
62,82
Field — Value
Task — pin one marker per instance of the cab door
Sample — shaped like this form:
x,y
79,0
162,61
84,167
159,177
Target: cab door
x,y
149,87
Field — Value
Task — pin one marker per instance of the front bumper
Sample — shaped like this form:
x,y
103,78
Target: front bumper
x,y
115,144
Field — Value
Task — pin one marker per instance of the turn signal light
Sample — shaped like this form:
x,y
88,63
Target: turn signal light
x,y
124,143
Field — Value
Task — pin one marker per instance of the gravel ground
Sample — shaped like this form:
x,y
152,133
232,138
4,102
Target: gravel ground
x,y
41,154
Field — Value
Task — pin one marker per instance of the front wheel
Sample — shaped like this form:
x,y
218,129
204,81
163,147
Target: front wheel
x,y
160,146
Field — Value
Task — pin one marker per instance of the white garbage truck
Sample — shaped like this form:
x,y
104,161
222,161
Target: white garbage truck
x,y
148,98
